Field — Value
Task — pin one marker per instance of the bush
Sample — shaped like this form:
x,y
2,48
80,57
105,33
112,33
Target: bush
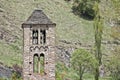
x,y
17,70
65,73
84,8
15,76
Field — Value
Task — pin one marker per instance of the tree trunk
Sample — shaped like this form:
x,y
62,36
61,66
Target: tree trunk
x,y
80,72
80,76
97,74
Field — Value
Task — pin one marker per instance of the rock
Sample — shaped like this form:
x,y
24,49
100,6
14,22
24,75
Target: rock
x,y
64,41
64,54
1,36
117,42
1,10
5,72
65,50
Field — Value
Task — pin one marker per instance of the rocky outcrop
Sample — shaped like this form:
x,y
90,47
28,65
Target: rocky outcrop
x,y
5,72
64,54
65,49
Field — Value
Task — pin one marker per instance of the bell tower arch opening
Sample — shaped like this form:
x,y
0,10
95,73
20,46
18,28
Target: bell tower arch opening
x,y
35,63
42,36
42,61
35,36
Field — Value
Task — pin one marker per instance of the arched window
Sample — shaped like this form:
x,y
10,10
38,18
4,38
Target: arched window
x,y
35,63
42,64
38,64
35,36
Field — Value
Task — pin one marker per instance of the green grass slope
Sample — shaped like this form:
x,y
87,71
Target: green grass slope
x,y
14,12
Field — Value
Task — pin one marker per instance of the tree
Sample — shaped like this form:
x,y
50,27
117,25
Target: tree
x,y
82,60
98,28
84,8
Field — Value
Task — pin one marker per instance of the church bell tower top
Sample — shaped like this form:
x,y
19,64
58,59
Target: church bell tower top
x,y
38,18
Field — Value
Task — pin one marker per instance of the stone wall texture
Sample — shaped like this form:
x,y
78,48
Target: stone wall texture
x,y
30,50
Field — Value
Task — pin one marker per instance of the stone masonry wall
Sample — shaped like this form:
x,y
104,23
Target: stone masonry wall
x,y
48,50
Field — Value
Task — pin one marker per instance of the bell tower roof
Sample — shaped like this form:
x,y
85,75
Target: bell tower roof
x,y
38,17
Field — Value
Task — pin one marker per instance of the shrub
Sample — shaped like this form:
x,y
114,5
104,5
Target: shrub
x,y
84,8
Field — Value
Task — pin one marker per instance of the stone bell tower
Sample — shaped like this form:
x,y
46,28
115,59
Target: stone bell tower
x,y
39,47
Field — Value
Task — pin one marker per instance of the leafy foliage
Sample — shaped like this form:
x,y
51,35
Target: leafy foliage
x,y
17,70
84,8
15,76
82,61
98,27
65,73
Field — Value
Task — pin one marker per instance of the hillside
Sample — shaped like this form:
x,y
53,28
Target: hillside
x,y
70,28
72,32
